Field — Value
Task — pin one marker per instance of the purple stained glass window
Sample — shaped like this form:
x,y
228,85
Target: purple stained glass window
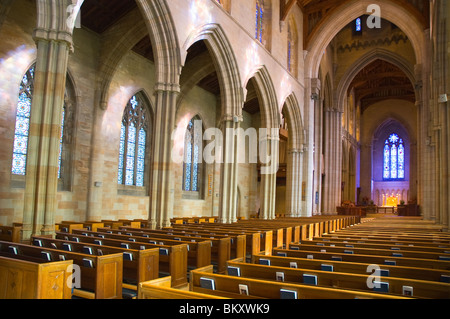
x,y
394,158
133,143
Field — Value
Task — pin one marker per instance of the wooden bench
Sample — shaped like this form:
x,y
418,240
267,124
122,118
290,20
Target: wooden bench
x,y
138,265
436,275
172,259
381,241
68,227
24,279
257,241
10,233
383,245
229,286
220,245
162,289
101,276
352,249
373,259
371,238
421,288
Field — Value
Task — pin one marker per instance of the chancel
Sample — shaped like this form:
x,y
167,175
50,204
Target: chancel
x,y
182,137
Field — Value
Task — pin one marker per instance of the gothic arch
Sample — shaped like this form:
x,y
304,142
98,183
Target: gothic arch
x,y
226,65
295,122
270,116
347,12
365,60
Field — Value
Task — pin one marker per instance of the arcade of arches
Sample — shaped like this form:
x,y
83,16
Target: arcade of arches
x,y
153,109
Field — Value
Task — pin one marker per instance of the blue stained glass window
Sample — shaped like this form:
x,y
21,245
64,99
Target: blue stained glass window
x,y
133,143
22,131
61,142
394,158
358,27
259,20
192,156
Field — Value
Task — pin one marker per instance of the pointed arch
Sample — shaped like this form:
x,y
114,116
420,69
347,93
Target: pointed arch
x,y
226,65
291,110
348,12
135,141
365,60
270,115
193,159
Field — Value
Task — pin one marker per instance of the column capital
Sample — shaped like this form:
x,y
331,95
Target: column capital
x,y
167,87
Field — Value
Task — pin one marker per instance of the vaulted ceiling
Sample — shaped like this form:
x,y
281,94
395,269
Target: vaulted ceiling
x,y
379,81
316,12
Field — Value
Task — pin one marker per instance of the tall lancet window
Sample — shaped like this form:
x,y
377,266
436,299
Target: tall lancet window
x,y
259,20
133,143
193,146
394,158
23,116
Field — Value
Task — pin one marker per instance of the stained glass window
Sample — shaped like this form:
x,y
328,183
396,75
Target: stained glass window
x,y
358,25
20,151
133,143
61,142
192,156
259,20
394,158
22,130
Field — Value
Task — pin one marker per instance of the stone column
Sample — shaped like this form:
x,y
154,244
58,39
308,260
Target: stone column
x,y
312,94
294,180
332,160
269,148
162,179
54,40
229,169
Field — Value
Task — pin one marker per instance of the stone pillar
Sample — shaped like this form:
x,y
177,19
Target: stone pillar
x,y
312,94
54,40
294,180
269,145
332,160
318,137
229,169
162,179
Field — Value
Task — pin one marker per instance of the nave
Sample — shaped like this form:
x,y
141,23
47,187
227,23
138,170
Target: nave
x,y
333,257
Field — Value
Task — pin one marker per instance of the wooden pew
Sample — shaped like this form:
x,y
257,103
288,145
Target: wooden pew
x,y
436,275
199,252
383,245
372,259
229,286
162,289
23,279
102,279
68,227
381,241
220,245
172,258
421,288
370,251
12,234
138,265
397,238
255,239
242,242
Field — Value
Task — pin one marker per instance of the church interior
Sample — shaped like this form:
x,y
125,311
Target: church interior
x,y
224,149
